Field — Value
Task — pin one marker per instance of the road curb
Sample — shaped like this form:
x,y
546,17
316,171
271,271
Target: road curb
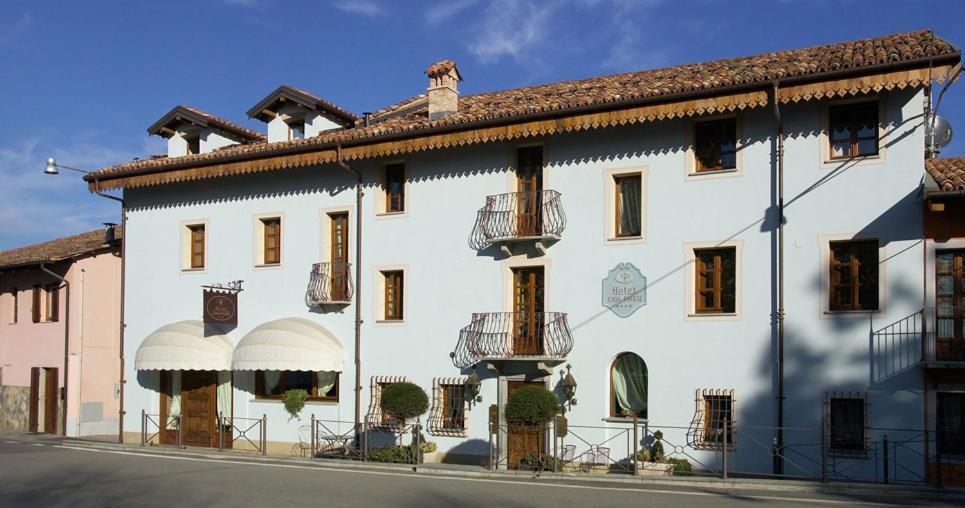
x,y
719,484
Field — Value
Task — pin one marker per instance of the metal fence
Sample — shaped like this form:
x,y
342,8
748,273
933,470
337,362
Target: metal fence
x,y
887,455
367,441
252,432
151,427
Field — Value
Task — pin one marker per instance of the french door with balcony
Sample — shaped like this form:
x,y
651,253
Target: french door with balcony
x,y
529,190
339,256
950,305
528,298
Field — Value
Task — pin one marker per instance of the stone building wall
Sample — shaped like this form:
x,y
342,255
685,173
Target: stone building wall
x,y
14,407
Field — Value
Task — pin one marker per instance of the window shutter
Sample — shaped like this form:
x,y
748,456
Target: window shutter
x,y
36,304
54,311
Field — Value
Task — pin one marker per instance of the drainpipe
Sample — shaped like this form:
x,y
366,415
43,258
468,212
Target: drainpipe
x,y
121,324
66,283
358,285
779,458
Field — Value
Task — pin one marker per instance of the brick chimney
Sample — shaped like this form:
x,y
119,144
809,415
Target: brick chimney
x,y
443,89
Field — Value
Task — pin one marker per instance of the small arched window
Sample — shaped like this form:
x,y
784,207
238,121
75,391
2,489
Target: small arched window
x,y
628,386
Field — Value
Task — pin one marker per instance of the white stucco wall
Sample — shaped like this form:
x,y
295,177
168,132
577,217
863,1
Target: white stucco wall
x,y
446,281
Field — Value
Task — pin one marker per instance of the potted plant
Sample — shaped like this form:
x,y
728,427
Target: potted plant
x,y
403,402
652,461
294,401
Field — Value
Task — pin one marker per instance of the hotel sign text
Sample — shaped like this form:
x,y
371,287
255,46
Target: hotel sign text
x,y
624,290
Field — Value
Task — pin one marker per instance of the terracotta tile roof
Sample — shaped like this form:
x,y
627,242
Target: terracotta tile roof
x,y
440,68
194,114
56,250
948,172
409,117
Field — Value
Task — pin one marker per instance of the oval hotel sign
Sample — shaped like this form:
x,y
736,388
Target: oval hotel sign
x,y
220,307
624,290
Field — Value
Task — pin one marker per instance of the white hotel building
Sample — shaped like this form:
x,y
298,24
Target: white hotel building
x,y
489,223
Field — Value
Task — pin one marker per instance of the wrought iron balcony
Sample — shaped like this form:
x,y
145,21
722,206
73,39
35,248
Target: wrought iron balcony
x,y
499,336
519,216
330,284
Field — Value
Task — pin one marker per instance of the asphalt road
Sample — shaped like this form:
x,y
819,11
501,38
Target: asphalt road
x,y
45,472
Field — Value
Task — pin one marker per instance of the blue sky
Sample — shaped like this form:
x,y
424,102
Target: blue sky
x,y
83,80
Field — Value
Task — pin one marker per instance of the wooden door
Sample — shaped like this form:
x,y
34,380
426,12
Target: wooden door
x,y
339,256
529,188
950,305
523,440
199,407
34,425
50,401
528,311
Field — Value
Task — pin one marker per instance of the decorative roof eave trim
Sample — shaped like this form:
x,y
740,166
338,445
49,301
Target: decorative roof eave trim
x,y
410,142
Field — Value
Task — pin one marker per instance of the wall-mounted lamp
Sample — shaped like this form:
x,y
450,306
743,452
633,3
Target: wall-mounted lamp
x,y
569,387
472,387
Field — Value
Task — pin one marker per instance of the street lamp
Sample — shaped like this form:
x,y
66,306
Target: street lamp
x,y
52,165
53,168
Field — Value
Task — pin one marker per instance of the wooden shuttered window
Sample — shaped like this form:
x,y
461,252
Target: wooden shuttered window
x,y
715,145
52,303
197,245
272,240
16,305
393,295
718,416
453,407
854,275
716,280
853,130
950,305
627,189
395,188
36,309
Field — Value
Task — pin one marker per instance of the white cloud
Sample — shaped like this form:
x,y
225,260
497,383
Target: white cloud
x,y
42,207
15,29
443,11
509,28
367,8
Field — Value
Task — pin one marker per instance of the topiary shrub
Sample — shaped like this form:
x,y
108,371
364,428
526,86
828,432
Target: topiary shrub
x,y
394,454
537,462
681,467
531,405
403,401
656,449
294,402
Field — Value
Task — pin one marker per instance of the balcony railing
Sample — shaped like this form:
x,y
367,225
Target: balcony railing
x,y
330,283
908,342
517,216
513,336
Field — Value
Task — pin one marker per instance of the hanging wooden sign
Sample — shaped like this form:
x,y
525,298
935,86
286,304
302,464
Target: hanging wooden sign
x,y
220,307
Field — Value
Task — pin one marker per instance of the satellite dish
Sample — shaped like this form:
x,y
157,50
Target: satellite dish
x,y
942,132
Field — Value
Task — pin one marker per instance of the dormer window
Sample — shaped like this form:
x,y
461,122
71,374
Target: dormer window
x,y
184,127
192,144
296,128
296,114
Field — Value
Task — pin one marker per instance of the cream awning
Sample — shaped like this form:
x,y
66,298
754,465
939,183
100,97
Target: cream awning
x,y
184,346
289,344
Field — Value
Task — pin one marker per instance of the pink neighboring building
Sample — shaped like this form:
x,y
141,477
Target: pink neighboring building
x,y
60,308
